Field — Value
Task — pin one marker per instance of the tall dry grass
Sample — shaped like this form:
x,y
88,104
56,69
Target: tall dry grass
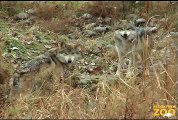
x,y
103,100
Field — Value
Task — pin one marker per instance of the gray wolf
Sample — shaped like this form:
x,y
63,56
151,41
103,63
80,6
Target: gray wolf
x,y
130,43
43,71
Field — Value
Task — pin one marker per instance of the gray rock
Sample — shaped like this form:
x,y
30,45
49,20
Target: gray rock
x,y
31,11
87,16
89,33
87,79
140,21
93,64
101,29
146,31
151,29
47,46
72,36
14,48
90,26
174,34
22,16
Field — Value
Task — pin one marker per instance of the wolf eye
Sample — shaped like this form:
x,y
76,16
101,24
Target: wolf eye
x,y
130,28
72,52
119,28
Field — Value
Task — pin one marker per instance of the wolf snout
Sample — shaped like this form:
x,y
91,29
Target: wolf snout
x,y
124,35
69,61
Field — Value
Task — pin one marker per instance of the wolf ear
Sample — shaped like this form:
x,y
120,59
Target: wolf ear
x,y
78,47
62,44
115,25
118,22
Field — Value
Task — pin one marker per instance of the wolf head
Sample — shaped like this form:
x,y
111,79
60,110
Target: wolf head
x,y
69,53
126,31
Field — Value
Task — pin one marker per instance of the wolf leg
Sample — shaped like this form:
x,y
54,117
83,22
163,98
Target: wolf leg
x,y
119,67
129,70
58,73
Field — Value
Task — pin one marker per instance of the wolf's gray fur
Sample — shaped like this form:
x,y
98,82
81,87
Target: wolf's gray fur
x,y
129,44
51,63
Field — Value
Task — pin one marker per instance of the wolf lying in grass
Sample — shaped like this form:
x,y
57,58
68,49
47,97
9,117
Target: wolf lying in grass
x,y
45,69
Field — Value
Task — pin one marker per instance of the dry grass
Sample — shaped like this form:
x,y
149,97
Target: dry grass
x,y
47,12
55,18
56,26
5,74
119,100
102,100
103,9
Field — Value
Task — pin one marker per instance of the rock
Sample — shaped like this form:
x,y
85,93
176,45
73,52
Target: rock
x,y
90,26
147,30
14,48
90,69
151,29
89,33
101,29
21,16
87,16
174,34
96,51
47,46
29,42
16,38
72,36
93,64
140,22
87,79
31,11
85,63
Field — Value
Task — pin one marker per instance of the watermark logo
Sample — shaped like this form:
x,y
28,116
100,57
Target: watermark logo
x,y
164,110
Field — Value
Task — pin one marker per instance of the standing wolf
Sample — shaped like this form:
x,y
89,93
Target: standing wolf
x,y
44,69
130,43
